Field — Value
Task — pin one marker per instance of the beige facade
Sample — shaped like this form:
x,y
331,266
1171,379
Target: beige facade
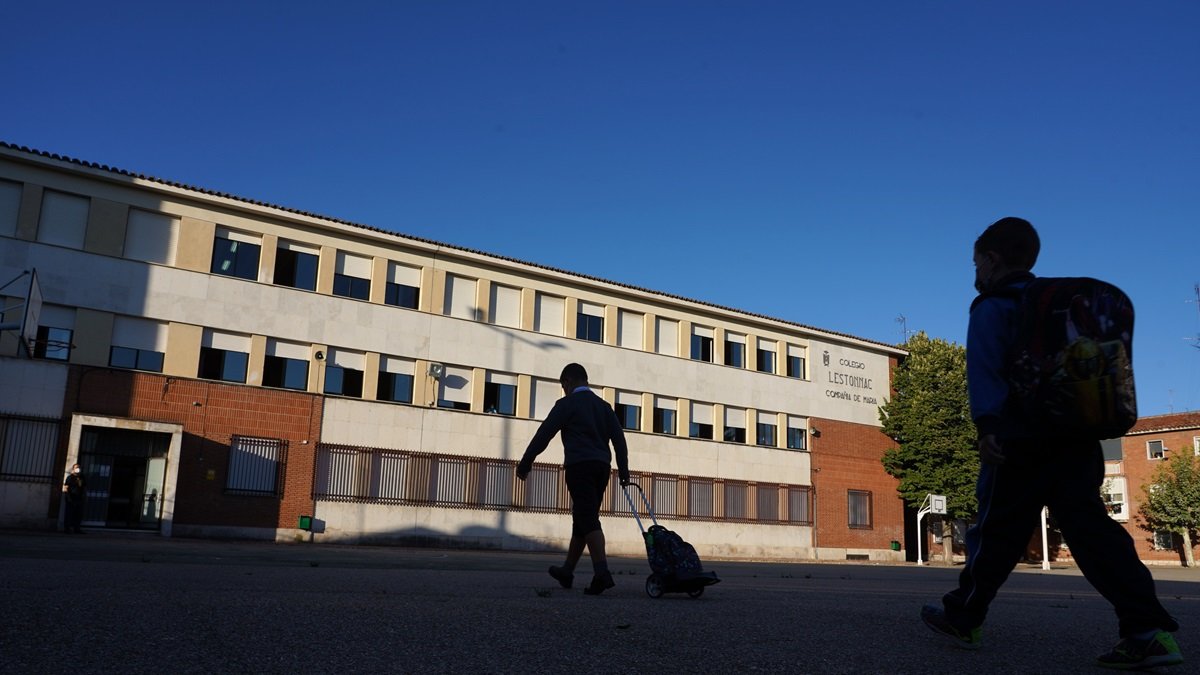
x,y
481,325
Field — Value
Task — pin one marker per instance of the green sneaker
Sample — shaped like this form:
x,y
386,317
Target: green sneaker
x,y
935,618
1133,654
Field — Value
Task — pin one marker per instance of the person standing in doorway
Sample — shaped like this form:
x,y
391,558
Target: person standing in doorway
x,y
1024,468
588,425
76,493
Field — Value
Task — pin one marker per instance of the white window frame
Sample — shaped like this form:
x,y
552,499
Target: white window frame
x,y
1162,451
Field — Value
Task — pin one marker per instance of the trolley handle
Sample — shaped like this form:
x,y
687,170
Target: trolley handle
x,y
633,507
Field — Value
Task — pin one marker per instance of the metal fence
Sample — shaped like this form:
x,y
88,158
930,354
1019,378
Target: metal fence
x,y
383,476
28,446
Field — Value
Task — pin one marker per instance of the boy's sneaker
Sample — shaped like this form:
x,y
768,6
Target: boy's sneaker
x,y
563,577
600,583
1133,654
935,618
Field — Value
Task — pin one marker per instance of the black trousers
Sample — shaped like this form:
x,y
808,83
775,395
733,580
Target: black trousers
x,y
1066,476
586,483
73,516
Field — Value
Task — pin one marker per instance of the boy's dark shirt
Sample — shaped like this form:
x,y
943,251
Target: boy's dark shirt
x,y
588,424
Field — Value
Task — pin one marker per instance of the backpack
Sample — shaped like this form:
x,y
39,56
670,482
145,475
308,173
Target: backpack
x,y
669,554
1070,369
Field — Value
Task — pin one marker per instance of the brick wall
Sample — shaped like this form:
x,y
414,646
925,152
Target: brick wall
x,y
847,457
211,414
1177,433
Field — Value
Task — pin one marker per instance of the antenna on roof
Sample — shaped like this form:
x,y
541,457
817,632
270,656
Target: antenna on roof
x,y
904,332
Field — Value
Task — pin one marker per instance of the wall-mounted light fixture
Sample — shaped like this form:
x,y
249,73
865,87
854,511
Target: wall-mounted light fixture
x,y
436,370
320,356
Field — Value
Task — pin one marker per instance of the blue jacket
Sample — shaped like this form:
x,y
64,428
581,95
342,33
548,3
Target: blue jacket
x,y
990,336
588,424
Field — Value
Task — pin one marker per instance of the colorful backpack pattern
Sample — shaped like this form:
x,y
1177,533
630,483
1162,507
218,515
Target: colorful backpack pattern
x,y
1071,369
669,554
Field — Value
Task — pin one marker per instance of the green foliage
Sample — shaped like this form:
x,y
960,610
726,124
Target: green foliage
x,y
929,418
1173,496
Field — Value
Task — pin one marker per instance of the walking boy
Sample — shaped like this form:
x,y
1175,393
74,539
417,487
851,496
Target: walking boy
x,y
1023,470
588,424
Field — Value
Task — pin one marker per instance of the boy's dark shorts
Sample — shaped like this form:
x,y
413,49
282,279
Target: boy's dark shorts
x,y
587,483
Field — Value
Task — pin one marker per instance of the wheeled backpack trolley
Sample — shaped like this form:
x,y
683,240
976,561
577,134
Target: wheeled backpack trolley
x,y
674,565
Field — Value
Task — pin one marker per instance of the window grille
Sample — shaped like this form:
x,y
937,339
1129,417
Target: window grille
x,y
255,465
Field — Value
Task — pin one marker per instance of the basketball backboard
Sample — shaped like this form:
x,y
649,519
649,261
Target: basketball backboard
x,y
23,318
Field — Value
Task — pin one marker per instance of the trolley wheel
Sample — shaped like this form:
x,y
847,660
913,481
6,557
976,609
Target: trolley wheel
x,y
654,587
696,593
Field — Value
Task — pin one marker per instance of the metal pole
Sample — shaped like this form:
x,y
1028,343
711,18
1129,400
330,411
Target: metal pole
x,y
1045,542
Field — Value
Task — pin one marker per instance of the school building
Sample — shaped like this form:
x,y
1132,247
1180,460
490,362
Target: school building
x,y
221,367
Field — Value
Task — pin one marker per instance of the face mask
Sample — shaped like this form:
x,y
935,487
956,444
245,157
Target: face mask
x,y
75,471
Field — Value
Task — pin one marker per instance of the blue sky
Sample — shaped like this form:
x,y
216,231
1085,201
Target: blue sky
x,y
826,163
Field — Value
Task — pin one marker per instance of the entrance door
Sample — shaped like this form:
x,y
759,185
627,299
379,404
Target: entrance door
x,y
125,472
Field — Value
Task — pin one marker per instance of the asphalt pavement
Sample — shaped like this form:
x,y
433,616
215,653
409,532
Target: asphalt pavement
x,y
108,602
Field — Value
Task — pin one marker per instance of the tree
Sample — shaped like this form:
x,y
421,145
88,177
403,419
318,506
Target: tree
x,y
929,418
1173,499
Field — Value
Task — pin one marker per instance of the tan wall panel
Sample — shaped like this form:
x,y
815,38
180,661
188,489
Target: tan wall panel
x,y
106,227
92,337
371,360
326,266
183,349
195,244
30,212
257,360
266,258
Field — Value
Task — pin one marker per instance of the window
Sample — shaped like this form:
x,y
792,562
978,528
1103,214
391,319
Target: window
x,y
1155,450
352,277
735,350
629,411
735,425
702,344
344,373
500,394
255,465
505,306
235,254
666,337
766,359
10,207
454,389
460,299
664,416
137,344
395,380
629,330
859,508
798,505
545,394
296,265
795,362
549,315
151,237
286,365
1196,445
53,343
1113,494
403,287
797,437
766,434
63,220
701,425
55,331
589,322
224,356
1164,540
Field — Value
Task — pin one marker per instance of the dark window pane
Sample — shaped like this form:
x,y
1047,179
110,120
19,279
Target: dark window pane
x,y
700,430
295,269
234,367
235,259
148,360
500,398
766,435
735,434
351,287
210,363
630,416
589,327
53,343
453,405
797,439
795,367
735,354
343,381
702,348
395,387
401,295
122,357
766,361
285,373
664,421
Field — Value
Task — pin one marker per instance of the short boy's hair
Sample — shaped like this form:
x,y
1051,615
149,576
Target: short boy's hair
x,y
1014,239
573,371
